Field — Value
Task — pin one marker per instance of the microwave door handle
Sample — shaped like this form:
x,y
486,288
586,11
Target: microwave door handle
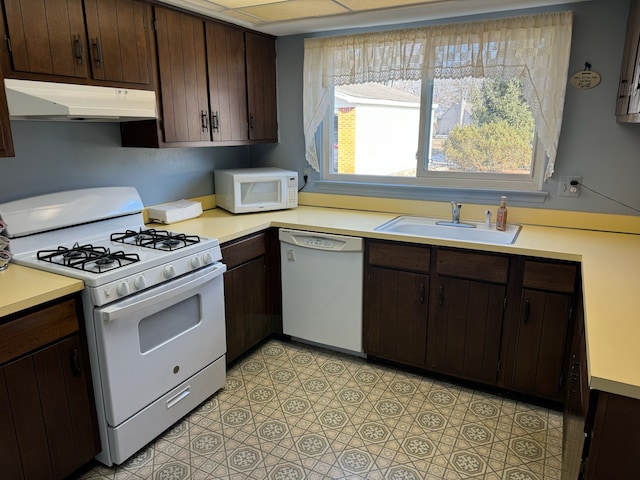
x,y
160,300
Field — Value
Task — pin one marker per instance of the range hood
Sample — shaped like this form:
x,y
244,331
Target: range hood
x,y
31,100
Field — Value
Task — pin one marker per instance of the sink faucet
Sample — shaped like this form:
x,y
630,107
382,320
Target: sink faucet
x,y
455,212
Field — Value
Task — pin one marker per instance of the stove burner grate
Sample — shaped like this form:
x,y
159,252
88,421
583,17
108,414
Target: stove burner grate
x,y
88,258
155,239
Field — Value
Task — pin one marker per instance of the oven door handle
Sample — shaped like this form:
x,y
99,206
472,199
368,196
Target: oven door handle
x,y
159,297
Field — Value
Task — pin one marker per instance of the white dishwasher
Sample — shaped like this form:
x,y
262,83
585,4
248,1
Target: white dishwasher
x,y
322,288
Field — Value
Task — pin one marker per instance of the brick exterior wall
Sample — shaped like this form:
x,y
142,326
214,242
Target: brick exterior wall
x,y
347,140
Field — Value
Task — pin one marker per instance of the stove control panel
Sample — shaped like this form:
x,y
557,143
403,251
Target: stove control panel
x,y
140,283
169,271
153,276
123,289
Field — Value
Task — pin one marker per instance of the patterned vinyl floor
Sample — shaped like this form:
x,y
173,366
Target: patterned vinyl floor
x,y
291,412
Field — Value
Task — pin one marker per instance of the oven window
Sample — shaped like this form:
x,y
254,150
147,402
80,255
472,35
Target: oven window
x,y
169,323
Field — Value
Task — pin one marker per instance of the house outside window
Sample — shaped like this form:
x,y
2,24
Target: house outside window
x,y
363,112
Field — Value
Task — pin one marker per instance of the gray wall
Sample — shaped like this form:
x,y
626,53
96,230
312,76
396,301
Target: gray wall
x,y
55,156
592,144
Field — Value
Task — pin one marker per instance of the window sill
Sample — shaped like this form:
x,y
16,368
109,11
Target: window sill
x,y
415,192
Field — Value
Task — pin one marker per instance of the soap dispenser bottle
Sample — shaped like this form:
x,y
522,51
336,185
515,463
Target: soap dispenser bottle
x,y
501,216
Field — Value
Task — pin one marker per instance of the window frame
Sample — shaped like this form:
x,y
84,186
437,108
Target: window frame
x,y
429,178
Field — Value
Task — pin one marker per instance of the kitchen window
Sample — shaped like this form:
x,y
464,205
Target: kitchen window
x,y
468,105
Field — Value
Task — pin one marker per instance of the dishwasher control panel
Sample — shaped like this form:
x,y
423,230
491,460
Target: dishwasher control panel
x,y
320,241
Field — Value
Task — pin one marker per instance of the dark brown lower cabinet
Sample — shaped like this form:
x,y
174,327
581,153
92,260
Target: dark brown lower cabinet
x,y
540,343
435,308
615,443
252,310
47,421
466,309
396,301
10,461
539,329
496,319
600,429
48,426
246,316
465,325
576,420
396,305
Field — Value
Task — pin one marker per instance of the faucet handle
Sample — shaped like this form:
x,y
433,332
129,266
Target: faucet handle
x,y
455,211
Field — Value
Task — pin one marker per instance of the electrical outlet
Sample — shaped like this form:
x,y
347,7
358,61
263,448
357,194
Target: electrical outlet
x,y
306,171
565,189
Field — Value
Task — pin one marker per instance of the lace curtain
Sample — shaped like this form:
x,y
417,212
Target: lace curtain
x,y
534,49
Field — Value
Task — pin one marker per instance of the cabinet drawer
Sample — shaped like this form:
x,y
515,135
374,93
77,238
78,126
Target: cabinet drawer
x,y
475,266
32,331
404,257
549,276
243,250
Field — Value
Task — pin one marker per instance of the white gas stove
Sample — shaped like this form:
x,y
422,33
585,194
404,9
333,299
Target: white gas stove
x,y
153,306
104,243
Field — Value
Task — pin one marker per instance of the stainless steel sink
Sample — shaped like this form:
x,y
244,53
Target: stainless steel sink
x,y
434,228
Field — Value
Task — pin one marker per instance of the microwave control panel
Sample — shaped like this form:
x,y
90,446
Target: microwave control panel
x,y
292,191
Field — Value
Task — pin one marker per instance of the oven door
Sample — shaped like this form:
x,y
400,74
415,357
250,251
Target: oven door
x,y
150,342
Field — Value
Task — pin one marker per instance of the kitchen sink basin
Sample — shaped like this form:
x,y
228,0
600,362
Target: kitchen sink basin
x,y
434,228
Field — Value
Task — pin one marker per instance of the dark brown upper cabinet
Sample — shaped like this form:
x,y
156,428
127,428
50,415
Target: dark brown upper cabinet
x,y
46,36
227,82
118,40
92,42
217,86
261,87
182,62
628,101
6,138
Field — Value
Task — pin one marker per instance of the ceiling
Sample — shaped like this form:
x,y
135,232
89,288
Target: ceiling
x,y
289,17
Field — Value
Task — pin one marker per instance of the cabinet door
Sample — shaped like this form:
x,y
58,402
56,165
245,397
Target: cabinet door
x,y
81,404
28,420
540,343
261,87
183,76
577,396
576,404
6,138
615,447
247,321
53,416
47,36
10,464
227,82
628,93
465,326
395,315
118,40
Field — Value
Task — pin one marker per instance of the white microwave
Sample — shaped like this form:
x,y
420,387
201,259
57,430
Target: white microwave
x,y
244,190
